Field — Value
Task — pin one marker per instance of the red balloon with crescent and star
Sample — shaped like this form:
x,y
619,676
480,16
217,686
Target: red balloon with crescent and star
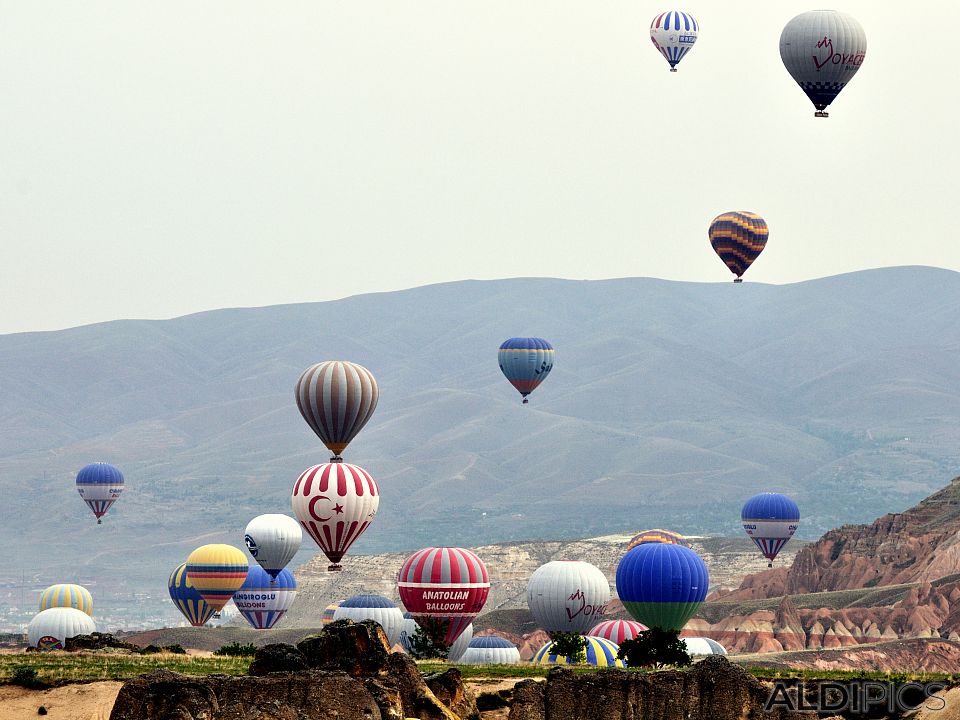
x,y
334,503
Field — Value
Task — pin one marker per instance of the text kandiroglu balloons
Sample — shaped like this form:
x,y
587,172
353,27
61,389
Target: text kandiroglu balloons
x,y
822,50
335,502
444,589
263,599
337,398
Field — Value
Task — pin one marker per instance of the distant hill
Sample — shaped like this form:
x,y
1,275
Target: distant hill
x,y
669,404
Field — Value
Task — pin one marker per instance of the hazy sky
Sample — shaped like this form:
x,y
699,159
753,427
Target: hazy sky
x,y
162,158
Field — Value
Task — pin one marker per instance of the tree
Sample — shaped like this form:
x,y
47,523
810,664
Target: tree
x,y
655,647
569,645
423,646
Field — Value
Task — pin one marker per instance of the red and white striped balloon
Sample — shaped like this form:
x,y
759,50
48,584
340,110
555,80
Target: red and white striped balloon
x,y
444,589
617,631
335,502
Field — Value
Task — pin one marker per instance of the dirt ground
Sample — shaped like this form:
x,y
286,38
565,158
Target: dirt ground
x,y
81,701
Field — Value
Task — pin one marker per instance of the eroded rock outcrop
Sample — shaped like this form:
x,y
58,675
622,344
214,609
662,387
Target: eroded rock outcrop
x,y
344,672
713,690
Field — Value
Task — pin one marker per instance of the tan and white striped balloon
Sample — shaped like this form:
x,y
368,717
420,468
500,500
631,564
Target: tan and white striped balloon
x,y
337,398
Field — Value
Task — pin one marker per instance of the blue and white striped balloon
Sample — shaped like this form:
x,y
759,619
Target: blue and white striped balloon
x,y
770,519
673,34
263,600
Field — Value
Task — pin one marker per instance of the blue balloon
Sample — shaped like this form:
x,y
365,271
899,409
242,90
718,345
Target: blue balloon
x,y
263,600
661,584
526,362
100,485
187,598
770,519
368,601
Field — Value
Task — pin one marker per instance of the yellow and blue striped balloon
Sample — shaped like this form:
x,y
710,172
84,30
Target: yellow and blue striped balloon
x,y
67,595
217,571
738,237
600,652
187,598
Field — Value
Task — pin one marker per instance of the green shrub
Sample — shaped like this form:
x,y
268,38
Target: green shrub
x,y
175,649
235,649
656,648
27,677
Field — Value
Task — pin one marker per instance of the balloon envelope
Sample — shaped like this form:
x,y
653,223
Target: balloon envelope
x,y
273,540
657,535
738,237
328,613
100,485
490,650
703,646
662,585
444,589
673,33
616,631
770,519
187,598
262,599
67,595
373,607
217,571
600,652
337,398
335,503
568,596
822,50
526,362
50,628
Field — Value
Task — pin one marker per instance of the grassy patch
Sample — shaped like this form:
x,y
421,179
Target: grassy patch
x,y
766,673
55,668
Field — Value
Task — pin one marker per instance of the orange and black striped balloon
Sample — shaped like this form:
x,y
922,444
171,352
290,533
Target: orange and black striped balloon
x,y
738,238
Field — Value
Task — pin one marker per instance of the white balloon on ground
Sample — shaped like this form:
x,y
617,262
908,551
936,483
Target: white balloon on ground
x,y
460,645
50,629
703,646
568,596
273,540
490,650
373,607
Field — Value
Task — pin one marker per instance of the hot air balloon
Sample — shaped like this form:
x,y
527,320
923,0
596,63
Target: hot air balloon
x,y
770,519
67,595
490,650
662,585
822,50
738,238
337,398
616,631
373,607
657,535
99,484
187,598
335,502
600,652
461,644
673,33
217,572
263,599
567,596
444,589
50,628
703,646
526,362
328,613
273,540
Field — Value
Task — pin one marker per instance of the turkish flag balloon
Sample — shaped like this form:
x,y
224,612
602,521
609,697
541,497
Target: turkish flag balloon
x,y
444,589
335,502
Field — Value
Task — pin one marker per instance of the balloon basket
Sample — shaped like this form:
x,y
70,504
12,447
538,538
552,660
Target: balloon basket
x,y
216,615
336,567
99,521
525,401
336,459
673,69
821,113
769,564
738,280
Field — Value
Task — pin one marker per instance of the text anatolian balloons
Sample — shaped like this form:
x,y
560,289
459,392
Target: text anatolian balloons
x,y
273,540
335,502
673,33
568,596
100,485
444,589
822,50
337,398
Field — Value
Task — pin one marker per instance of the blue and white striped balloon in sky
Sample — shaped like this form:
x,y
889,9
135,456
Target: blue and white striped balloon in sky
x,y
673,33
770,519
